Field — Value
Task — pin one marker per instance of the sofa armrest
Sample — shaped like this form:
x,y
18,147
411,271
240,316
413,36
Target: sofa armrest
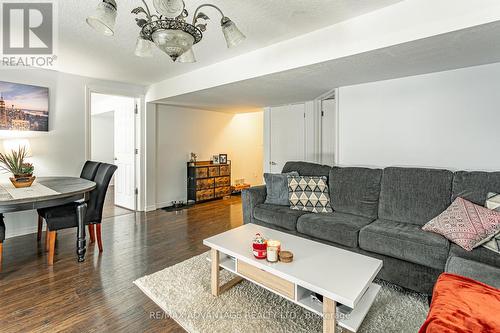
x,y
474,270
250,198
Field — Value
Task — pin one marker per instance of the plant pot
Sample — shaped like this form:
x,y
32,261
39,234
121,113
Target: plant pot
x,y
20,181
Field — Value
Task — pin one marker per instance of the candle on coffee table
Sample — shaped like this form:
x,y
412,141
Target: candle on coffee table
x,y
273,249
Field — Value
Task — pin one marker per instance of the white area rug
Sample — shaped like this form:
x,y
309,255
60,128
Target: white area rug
x,y
183,293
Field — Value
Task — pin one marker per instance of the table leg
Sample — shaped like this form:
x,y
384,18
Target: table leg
x,y
215,272
217,289
81,210
329,315
2,224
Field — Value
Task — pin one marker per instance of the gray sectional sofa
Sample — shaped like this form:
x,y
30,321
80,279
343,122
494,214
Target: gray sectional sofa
x,y
380,213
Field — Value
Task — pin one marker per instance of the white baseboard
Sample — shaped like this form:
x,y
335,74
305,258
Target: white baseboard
x,y
151,208
163,204
21,231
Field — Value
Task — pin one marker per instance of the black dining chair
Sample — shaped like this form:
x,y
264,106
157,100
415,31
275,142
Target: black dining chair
x,y
64,217
88,172
2,237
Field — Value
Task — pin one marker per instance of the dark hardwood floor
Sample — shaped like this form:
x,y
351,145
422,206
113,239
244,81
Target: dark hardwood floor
x,y
98,295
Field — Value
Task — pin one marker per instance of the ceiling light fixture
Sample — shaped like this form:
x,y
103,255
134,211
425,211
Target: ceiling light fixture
x,y
167,29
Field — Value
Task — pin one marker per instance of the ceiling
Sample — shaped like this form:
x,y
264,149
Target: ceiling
x,y
458,49
84,52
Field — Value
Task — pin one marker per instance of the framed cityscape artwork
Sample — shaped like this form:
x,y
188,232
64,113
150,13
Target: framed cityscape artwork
x,y
23,107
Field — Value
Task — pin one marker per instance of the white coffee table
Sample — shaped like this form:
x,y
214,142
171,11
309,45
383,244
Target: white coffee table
x,y
343,278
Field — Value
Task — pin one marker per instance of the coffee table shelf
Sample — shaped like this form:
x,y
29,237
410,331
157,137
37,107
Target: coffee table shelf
x,y
304,300
353,321
349,295
228,263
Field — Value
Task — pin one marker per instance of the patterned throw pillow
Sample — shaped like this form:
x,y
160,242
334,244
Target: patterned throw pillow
x,y
465,224
309,194
493,202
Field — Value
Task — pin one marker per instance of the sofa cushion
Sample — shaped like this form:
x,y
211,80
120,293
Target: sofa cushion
x,y
277,188
493,202
480,254
474,186
465,224
414,195
355,190
334,227
280,216
405,241
307,169
461,304
309,194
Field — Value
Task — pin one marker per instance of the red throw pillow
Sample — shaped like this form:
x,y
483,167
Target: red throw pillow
x,y
462,305
465,224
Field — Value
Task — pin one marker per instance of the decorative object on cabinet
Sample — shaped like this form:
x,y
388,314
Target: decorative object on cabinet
x,y
208,180
215,159
193,158
222,158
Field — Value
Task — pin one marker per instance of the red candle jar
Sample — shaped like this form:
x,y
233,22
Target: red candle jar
x,y
259,247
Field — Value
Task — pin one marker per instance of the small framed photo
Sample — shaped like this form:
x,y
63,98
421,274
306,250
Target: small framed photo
x,y
215,159
223,158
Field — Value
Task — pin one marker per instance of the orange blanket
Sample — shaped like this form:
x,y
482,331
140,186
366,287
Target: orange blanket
x,y
463,305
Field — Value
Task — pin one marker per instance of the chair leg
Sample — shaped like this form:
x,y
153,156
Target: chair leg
x,y
47,238
40,224
99,238
1,251
52,247
92,233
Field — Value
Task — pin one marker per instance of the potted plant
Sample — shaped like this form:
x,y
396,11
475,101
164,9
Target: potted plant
x,y
21,170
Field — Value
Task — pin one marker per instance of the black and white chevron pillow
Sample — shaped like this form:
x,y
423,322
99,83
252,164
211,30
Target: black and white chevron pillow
x,y
493,203
309,194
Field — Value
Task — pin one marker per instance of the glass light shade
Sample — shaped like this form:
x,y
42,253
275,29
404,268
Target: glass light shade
x,y
187,57
232,34
104,18
169,8
173,42
144,48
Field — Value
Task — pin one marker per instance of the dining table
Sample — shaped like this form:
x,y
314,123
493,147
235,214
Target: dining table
x,y
48,192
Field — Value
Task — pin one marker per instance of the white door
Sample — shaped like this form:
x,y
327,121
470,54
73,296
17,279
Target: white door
x,y
286,135
125,195
328,132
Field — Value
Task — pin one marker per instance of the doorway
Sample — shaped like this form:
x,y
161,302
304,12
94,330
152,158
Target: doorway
x,y
112,140
286,126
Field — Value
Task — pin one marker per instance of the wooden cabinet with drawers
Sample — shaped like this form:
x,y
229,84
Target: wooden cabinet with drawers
x,y
207,181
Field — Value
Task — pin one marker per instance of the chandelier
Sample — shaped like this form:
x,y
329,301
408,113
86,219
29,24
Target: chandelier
x,y
167,29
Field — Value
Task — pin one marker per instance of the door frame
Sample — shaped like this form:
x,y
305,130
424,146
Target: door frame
x,y
318,109
89,90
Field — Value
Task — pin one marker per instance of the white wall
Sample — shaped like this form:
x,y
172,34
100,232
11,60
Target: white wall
x,y
61,151
181,131
103,137
449,119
